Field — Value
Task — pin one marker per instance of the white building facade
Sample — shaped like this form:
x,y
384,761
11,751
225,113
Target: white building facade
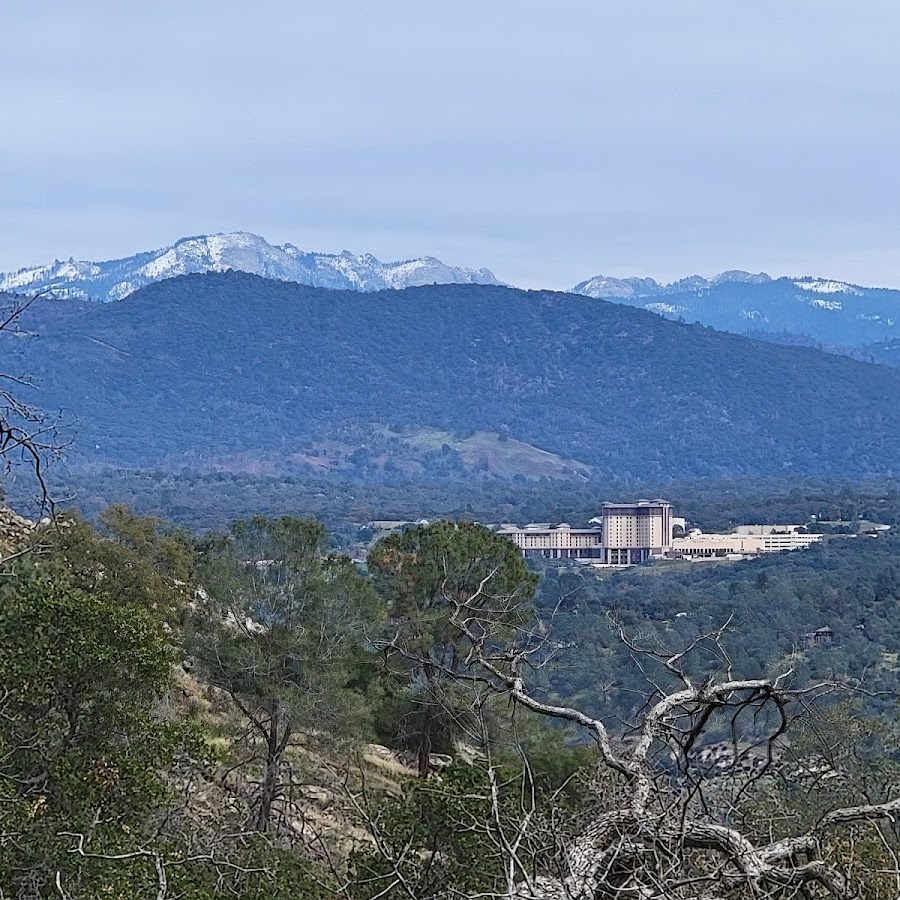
x,y
629,533
633,533
747,541
555,541
636,532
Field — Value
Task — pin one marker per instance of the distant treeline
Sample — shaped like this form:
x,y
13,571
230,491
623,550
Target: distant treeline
x,y
202,501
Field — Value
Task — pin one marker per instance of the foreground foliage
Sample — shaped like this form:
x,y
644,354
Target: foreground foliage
x,y
170,706
79,741
416,572
279,630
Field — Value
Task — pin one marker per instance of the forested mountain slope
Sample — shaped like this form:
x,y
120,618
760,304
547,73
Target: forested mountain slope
x,y
191,370
832,313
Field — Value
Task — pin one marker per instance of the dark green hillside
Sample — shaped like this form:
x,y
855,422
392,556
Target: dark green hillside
x,y
850,584
885,352
194,370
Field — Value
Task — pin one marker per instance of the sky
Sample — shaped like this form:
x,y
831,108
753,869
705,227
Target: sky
x,y
549,140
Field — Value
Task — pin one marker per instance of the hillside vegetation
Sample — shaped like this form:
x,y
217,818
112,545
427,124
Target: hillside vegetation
x,y
197,370
850,584
191,717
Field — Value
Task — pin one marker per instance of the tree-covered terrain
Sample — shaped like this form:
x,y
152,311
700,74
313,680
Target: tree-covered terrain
x,y
202,501
885,352
205,371
195,708
851,584
193,715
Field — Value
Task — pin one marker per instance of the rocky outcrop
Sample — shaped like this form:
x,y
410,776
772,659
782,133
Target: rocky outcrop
x,y
15,532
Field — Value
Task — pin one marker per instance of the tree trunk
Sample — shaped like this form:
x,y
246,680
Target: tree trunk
x,y
270,779
424,751
424,756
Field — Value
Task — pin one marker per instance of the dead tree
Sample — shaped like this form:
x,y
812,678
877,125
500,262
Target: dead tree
x,y
666,832
28,434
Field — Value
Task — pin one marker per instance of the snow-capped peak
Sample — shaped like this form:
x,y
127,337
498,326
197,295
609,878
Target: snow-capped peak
x,y
606,288
739,276
819,310
242,251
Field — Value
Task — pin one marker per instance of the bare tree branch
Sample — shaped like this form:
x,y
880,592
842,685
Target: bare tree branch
x,y
28,434
666,840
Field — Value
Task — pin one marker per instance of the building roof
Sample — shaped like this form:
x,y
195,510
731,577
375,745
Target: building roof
x,y
640,503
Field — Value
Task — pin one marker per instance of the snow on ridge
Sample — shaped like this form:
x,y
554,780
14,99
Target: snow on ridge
x,y
668,309
45,276
826,304
166,265
605,287
244,252
826,286
739,276
121,290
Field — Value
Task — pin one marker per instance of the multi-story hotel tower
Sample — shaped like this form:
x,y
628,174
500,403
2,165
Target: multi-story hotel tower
x,y
630,533
633,532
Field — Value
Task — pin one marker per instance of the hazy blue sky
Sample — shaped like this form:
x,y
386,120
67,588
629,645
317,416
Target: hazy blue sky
x,y
547,139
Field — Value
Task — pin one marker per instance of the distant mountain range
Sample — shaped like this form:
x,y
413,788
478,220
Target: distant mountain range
x,y
603,287
242,252
833,314
216,372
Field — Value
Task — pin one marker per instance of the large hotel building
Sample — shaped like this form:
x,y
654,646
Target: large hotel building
x,y
632,533
629,533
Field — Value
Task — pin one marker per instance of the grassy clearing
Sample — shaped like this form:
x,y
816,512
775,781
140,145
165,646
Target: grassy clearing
x,y
486,452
